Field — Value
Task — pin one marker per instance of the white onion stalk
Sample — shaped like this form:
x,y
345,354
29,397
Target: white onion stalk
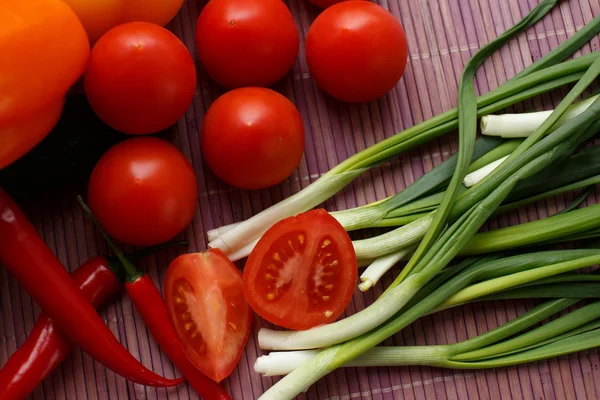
x,y
283,362
476,176
523,125
251,229
345,329
393,241
215,233
243,252
381,265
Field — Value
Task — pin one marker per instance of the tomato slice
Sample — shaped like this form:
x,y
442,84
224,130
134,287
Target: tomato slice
x,y
205,298
302,272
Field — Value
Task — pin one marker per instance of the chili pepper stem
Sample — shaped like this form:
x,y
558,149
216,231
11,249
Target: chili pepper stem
x,y
131,273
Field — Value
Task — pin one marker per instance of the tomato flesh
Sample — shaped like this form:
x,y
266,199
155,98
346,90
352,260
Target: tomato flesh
x,y
302,272
205,298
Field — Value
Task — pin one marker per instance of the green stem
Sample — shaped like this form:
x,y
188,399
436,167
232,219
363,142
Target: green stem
x,y
516,279
131,273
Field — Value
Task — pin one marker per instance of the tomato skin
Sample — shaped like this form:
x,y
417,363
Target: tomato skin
x,y
34,73
246,42
143,191
346,55
98,17
252,138
18,139
206,289
302,272
141,78
327,3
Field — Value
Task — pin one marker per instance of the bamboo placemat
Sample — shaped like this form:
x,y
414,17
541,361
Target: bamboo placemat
x,y
442,35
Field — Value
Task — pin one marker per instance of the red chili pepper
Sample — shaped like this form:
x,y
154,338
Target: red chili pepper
x,y
37,269
149,303
46,346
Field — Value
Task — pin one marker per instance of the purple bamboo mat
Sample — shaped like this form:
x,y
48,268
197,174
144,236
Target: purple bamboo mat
x,y
442,36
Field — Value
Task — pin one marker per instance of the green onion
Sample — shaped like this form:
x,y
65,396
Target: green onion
x,y
523,125
492,346
537,152
510,93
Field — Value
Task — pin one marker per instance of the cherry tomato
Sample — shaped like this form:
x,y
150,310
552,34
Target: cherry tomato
x,y
141,78
302,272
252,138
347,56
205,298
43,51
18,139
143,191
246,42
326,3
98,17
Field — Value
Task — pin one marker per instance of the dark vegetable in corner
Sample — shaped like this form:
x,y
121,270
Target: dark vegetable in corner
x,y
66,157
38,271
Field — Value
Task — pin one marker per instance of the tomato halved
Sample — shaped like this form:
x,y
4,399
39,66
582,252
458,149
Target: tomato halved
x,y
302,272
205,298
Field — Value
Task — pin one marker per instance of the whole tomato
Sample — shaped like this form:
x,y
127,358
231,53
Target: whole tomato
x,y
43,51
98,17
143,191
252,138
141,78
246,42
347,56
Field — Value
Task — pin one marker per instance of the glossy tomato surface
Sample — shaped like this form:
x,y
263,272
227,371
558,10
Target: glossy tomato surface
x,y
98,17
141,78
327,3
43,51
143,191
205,298
356,51
20,137
252,138
246,42
303,271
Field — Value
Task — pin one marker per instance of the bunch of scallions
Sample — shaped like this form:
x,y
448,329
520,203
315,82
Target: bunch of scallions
x,y
425,285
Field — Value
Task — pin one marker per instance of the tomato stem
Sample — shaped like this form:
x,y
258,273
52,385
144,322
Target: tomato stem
x,y
131,273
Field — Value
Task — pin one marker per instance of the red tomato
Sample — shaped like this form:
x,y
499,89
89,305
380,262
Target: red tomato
x,y
43,51
326,3
100,16
302,272
356,51
246,42
252,138
143,191
141,78
205,298
18,139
